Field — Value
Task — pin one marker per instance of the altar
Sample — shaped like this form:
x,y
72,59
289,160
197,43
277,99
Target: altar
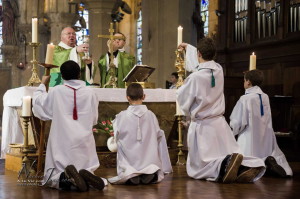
x,y
111,102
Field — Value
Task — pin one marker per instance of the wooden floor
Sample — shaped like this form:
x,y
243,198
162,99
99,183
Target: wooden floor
x,y
176,185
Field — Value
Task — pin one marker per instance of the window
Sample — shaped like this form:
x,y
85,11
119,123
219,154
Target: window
x,y
139,39
83,31
205,15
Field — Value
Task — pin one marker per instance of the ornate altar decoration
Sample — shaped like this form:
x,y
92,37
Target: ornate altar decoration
x,y
140,74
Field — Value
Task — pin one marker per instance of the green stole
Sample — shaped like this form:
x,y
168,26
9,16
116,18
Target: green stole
x,y
125,64
60,56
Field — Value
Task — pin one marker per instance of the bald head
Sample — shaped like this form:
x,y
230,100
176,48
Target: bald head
x,y
68,36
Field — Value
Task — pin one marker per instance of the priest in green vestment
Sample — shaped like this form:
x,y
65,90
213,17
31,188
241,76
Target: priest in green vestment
x,y
67,50
122,60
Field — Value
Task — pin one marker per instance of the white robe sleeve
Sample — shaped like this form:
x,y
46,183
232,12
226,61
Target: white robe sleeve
x,y
239,118
163,153
95,102
89,73
42,103
189,89
191,61
163,149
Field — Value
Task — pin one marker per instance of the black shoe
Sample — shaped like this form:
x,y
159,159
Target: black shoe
x,y
92,179
72,174
234,162
248,175
64,182
147,178
133,181
274,168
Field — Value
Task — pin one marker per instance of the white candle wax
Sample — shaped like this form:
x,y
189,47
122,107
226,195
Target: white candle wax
x,y
178,109
34,30
179,35
26,107
252,63
49,54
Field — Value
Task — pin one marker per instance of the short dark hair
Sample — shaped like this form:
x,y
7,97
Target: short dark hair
x,y
256,77
124,37
207,48
175,74
70,70
135,91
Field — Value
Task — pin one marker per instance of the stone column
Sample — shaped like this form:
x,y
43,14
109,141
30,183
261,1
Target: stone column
x,y
10,62
161,19
99,20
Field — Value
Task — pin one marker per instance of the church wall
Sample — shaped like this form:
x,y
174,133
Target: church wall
x,y
160,22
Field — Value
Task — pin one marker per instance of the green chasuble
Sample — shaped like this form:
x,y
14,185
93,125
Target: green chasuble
x,y
125,64
61,55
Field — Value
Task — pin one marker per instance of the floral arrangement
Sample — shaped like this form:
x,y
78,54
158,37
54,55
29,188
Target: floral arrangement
x,y
104,126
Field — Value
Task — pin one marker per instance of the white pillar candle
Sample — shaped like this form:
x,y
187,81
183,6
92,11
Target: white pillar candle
x,y
252,64
26,107
178,109
49,54
179,35
34,30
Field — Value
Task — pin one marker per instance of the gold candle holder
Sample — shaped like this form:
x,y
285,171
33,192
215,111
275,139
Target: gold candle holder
x,y
25,123
25,149
181,157
179,64
112,81
34,77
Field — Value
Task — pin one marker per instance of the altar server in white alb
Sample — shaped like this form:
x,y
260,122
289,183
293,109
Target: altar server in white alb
x,y
251,120
213,153
73,109
142,156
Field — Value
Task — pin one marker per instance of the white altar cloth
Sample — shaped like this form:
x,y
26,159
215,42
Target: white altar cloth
x,y
12,100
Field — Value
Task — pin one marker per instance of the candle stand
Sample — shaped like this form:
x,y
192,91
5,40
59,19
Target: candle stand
x,y
179,64
181,157
34,77
26,167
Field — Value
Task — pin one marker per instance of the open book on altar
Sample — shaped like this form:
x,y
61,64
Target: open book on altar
x,y
140,74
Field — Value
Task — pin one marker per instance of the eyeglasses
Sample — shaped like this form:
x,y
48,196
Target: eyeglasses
x,y
70,33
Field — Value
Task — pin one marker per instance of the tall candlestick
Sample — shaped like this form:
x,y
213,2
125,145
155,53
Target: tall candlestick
x,y
34,30
179,35
252,64
49,54
178,109
26,107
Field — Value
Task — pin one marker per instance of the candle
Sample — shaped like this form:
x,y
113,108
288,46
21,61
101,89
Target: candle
x,y
178,109
49,54
26,107
179,36
34,30
252,64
